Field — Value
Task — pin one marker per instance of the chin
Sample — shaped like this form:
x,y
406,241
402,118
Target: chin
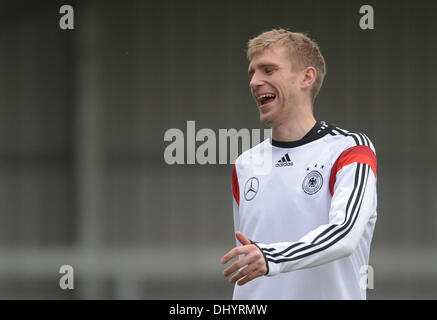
x,y
268,115
266,119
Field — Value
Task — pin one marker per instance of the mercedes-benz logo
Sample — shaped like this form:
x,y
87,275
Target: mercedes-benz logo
x,y
251,188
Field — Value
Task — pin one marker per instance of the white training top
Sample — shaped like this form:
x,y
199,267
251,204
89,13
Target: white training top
x,y
310,206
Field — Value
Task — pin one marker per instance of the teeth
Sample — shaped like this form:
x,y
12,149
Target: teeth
x,y
266,96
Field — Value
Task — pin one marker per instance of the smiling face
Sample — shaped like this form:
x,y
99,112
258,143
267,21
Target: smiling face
x,y
274,86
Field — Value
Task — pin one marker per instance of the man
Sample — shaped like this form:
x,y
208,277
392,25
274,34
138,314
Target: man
x,y
310,220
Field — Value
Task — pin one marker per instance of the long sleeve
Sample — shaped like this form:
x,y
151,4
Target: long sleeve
x,y
353,204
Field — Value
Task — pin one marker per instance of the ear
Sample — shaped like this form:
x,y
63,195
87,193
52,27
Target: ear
x,y
309,77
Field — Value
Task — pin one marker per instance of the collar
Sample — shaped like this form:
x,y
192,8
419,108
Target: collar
x,y
319,130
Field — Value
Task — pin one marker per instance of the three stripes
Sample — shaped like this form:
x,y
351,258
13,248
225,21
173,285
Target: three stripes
x,y
335,232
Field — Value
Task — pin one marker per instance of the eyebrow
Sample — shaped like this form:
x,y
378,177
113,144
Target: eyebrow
x,y
261,65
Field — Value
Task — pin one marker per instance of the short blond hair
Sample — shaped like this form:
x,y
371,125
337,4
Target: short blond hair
x,y
303,52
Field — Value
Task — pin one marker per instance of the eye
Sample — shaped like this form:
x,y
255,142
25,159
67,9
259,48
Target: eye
x,y
269,70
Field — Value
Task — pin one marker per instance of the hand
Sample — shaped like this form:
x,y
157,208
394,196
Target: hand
x,y
254,263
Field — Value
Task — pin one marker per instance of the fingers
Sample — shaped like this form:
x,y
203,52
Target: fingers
x,y
242,238
237,250
234,253
247,274
257,269
229,256
238,264
254,261
249,277
253,257
242,273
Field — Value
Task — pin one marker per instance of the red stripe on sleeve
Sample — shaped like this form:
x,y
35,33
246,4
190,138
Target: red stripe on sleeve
x,y
235,186
360,154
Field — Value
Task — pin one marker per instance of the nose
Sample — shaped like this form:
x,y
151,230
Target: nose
x,y
256,81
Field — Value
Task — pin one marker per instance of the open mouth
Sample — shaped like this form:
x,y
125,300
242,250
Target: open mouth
x,y
266,98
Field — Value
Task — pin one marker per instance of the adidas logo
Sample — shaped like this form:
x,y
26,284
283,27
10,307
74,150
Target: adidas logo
x,y
285,161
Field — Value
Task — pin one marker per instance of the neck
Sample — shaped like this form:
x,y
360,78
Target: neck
x,y
295,126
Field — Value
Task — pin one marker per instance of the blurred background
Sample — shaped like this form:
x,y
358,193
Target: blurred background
x,y
83,112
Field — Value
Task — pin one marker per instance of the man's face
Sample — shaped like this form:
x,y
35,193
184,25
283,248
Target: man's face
x,y
273,85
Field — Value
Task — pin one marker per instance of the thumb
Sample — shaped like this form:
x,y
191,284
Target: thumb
x,y
242,238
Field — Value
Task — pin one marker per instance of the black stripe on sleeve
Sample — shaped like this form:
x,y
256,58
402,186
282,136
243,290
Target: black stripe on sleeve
x,y
346,214
351,221
329,244
264,255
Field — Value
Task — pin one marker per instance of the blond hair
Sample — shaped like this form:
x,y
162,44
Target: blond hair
x,y
303,52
